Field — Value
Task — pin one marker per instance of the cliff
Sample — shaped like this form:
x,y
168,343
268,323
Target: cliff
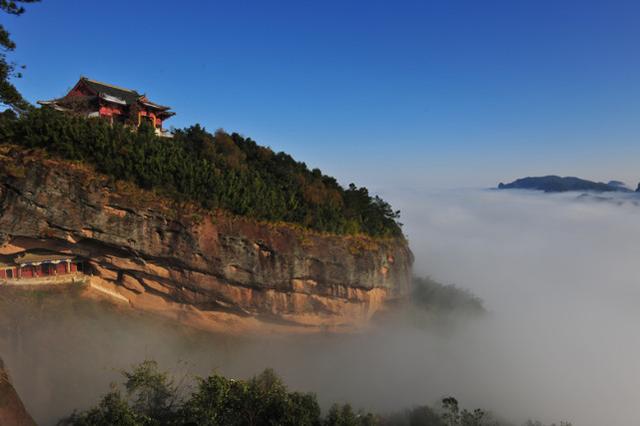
x,y
208,269
12,411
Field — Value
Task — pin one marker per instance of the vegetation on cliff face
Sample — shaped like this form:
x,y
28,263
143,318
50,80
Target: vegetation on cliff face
x,y
218,170
444,299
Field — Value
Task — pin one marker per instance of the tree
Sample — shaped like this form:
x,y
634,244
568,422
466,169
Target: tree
x,y
113,409
153,393
424,416
9,95
452,416
343,415
148,397
217,171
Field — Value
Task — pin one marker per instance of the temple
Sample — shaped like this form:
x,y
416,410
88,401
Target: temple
x,y
38,265
117,104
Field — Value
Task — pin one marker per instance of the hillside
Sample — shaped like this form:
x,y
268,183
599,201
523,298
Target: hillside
x,y
207,268
215,171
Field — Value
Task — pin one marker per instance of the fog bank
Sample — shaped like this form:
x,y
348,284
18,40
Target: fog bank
x,y
557,274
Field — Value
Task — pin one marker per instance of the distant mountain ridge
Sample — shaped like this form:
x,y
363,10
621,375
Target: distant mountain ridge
x,y
553,183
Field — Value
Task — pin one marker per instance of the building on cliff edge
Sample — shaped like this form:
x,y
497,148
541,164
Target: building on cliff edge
x,y
119,105
34,265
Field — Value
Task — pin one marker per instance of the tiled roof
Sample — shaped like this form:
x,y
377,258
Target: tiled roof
x,y
42,257
127,95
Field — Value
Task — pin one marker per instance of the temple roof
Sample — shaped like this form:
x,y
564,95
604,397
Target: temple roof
x,y
127,95
42,257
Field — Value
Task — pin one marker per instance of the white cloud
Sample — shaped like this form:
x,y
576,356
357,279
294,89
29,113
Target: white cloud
x,y
558,275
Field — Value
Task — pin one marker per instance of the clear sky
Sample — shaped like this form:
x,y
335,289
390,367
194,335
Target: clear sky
x,y
384,93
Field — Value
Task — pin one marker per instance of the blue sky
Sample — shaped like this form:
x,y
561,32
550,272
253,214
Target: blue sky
x,y
384,93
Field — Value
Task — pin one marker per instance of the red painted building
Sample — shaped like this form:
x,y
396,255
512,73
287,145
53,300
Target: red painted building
x,y
117,104
35,265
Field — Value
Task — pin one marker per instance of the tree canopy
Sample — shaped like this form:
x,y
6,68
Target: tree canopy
x,y
9,95
216,170
150,397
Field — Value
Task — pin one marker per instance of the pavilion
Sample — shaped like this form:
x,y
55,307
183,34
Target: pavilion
x,y
92,98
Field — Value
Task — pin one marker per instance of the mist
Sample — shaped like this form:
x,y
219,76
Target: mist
x,y
557,274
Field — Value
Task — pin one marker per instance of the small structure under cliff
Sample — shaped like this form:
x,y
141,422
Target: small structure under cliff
x,y
34,265
207,269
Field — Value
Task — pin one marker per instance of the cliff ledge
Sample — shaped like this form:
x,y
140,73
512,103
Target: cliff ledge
x,y
207,269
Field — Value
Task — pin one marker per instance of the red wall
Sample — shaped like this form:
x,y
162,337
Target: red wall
x,y
108,110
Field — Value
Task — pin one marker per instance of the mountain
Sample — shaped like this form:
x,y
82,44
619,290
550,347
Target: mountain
x,y
206,268
564,184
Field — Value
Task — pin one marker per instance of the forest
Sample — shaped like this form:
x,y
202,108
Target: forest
x,y
215,170
150,396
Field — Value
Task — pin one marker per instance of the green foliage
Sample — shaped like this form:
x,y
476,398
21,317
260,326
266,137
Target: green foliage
x,y
343,415
9,95
439,298
262,400
424,416
148,397
113,409
152,392
218,170
152,399
453,416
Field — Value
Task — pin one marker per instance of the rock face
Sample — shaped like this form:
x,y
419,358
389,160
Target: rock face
x,y
208,269
12,411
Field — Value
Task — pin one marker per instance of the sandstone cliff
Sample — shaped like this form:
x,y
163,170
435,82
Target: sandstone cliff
x,y
207,269
12,411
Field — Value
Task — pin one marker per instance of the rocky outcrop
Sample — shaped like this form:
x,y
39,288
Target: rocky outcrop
x,y
206,268
12,411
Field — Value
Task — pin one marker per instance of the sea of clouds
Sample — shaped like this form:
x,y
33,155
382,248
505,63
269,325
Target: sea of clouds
x,y
559,276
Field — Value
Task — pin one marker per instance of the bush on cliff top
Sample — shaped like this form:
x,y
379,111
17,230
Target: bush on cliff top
x,y
218,170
